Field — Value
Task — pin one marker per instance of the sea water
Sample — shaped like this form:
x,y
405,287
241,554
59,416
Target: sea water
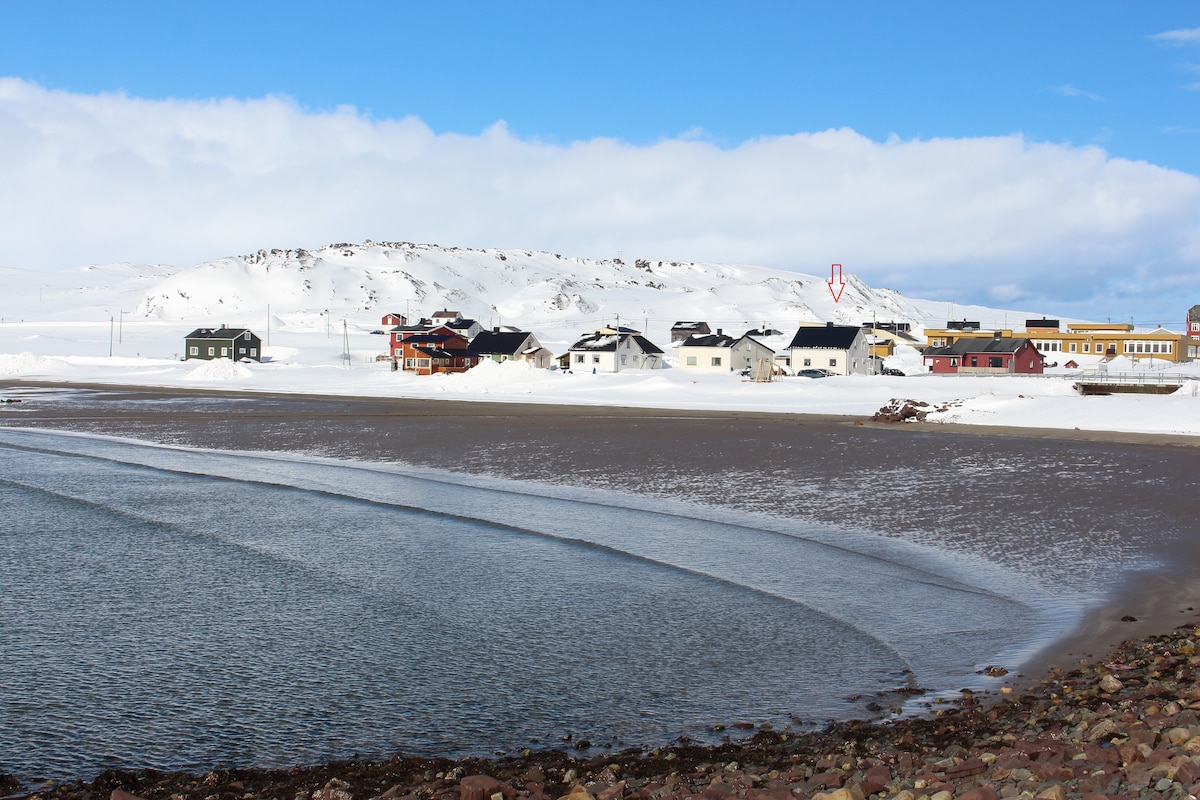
x,y
183,609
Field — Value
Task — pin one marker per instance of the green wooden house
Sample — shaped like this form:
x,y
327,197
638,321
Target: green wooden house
x,y
238,344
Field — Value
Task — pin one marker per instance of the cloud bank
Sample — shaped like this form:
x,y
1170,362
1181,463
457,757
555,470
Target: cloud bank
x,y
100,178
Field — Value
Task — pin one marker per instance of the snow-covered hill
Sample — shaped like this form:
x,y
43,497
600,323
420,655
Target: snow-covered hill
x,y
553,295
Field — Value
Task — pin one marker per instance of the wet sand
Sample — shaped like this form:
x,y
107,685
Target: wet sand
x,y
1012,495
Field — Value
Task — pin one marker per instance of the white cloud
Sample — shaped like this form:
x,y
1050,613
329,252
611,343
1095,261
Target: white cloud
x,y
1179,36
1067,90
96,178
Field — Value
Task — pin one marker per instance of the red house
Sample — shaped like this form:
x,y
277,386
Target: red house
x,y
982,356
430,353
392,320
402,332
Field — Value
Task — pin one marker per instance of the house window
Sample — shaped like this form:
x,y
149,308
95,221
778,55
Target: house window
x,y
995,362
579,358
224,352
691,361
254,352
954,362
422,363
1086,347
212,351
1072,347
716,361
833,362
974,361
808,362
193,351
409,363
595,359
623,357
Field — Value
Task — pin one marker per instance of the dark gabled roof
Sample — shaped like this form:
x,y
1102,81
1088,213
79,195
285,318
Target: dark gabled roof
x,y
830,337
712,340
647,345
437,352
460,323
1194,312
217,333
700,327
430,338
499,342
974,345
607,343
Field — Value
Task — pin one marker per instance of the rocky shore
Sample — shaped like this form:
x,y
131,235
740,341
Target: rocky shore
x,y
1127,726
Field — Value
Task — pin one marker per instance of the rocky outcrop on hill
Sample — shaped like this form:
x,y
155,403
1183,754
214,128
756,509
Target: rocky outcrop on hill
x,y
1125,727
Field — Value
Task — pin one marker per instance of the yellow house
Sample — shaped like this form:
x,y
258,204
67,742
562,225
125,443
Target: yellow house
x,y
1087,338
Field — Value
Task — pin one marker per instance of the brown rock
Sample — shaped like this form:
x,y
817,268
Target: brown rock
x,y
1054,792
121,794
478,787
966,769
978,793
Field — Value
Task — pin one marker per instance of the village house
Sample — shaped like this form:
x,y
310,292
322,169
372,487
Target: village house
x,y
613,350
238,344
392,320
997,355
682,330
455,321
1109,339
511,345
720,353
432,353
401,333
840,349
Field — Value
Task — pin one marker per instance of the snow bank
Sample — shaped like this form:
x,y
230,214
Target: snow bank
x,y
219,370
27,364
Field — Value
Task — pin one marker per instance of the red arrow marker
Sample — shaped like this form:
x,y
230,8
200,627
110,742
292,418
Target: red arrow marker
x,y
840,282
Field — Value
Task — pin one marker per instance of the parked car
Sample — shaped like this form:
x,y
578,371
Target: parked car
x,y
813,373
891,371
377,332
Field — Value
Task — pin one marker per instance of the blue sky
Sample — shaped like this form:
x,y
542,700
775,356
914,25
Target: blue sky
x,y
655,77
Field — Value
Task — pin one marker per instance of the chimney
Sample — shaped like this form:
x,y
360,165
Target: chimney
x,y
496,329
719,332
997,336
828,324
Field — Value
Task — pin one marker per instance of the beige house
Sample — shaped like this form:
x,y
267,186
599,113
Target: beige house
x,y
720,353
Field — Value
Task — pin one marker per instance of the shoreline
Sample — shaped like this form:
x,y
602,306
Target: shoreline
x,y
1124,726
327,426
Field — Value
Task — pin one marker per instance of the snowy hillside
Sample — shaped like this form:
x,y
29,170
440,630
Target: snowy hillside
x,y
553,295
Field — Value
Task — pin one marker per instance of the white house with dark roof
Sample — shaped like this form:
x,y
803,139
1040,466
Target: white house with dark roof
x,y
720,353
507,344
840,349
614,352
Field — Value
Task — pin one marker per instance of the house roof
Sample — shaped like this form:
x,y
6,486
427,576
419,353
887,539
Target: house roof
x,y
607,342
971,345
437,352
827,337
700,327
1194,312
216,333
712,340
500,342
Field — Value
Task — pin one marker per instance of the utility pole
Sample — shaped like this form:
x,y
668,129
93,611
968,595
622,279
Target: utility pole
x,y
346,343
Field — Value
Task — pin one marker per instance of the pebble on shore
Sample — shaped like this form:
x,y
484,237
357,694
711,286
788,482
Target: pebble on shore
x,y
1127,726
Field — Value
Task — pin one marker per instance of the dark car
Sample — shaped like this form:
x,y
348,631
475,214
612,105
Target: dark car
x,y
813,373
891,371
